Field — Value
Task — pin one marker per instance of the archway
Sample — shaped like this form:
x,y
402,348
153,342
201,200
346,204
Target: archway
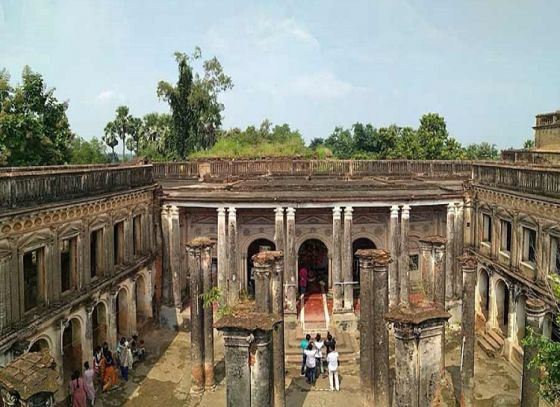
x,y
502,305
520,318
99,324
142,306
483,293
39,345
314,256
122,313
359,244
72,348
255,247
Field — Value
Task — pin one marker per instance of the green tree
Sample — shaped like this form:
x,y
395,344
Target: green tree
x,y
156,129
88,152
482,151
111,137
341,142
195,110
120,127
316,143
529,144
34,129
136,135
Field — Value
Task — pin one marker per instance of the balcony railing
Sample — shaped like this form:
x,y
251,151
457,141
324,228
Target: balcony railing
x,y
534,180
531,157
24,186
286,167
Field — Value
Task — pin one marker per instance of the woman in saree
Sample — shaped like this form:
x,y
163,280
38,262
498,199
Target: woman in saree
x,y
110,377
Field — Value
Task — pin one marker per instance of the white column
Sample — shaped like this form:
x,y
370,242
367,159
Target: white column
x,y
280,242
233,277
222,251
458,249
290,265
394,251
347,260
450,258
403,259
338,291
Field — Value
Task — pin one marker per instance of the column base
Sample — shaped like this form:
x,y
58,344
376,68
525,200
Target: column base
x,y
344,320
290,321
171,317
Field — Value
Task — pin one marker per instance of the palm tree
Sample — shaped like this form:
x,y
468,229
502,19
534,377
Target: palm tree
x,y
122,124
110,138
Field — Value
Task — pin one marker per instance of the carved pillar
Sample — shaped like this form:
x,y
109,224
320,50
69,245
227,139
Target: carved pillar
x,y
175,254
403,258
233,277
278,360
338,288
263,269
458,249
222,251
290,260
366,325
280,242
427,268
535,313
347,259
394,240
469,265
450,258
206,266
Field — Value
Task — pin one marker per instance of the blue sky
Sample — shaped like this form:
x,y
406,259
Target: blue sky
x,y
487,66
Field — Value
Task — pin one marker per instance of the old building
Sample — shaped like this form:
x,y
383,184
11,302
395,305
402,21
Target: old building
x,y
76,259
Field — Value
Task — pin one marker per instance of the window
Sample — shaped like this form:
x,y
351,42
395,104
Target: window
x,y
555,255
32,276
486,228
96,252
68,264
118,243
137,234
529,245
413,262
505,243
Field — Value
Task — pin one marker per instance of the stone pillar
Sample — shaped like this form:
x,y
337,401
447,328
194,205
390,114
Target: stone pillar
x,y
458,249
338,288
132,323
222,251
468,266
427,268
112,320
394,240
87,345
278,361
247,340
403,259
439,271
263,269
208,331
418,346
366,325
280,242
290,262
468,220
233,275
535,312
197,317
170,311
449,259
347,260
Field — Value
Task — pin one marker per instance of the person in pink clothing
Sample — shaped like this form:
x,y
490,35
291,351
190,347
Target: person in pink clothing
x,y
78,390
88,382
303,277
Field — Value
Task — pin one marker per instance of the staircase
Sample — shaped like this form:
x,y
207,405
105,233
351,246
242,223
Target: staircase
x,y
346,345
491,342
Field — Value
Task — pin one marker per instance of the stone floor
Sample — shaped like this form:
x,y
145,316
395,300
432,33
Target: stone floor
x,y
164,379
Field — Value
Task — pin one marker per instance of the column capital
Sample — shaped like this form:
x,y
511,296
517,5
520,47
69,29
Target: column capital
x,y
395,211
279,211
291,211
450,208
378,257
231,210
459,205
535,308
199,244
348,211
221,211
405,211
469,262
173,210
336,212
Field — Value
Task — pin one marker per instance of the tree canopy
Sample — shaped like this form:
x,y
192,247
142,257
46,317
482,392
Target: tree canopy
x,y
88,152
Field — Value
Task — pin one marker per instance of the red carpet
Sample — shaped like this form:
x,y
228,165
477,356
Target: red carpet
x,y
314,312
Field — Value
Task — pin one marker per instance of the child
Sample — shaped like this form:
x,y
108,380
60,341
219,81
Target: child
x,y
332,365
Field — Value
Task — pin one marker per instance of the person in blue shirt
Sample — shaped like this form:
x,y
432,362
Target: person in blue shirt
x,y
303,345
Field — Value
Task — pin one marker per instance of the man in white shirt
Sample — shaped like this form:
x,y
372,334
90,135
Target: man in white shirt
x,y
310,364
319,343
332,365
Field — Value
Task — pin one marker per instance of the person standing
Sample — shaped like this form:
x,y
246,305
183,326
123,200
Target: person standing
x,y
126,361
78,391
110,378
88,383
332,366
310,364
303,345
330,343
319,343
303,278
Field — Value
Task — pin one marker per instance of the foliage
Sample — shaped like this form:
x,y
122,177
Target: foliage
x,y
548,359
265,141
482,151
212,296
121,127
155,131
195,110
34,129
135,135
529,144
111,138
88,152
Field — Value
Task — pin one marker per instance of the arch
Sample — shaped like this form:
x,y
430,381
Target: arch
x,y
71,347
143,307
501,295
40,344
99,324
483,292
313,254
122,311
358,244
520,318
255,247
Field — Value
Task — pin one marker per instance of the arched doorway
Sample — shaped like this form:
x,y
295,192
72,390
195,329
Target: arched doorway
x,y
122,313
520,318
39,345
99,324
314,256
502,305
142,305
72,348
255,247
359,244
483,293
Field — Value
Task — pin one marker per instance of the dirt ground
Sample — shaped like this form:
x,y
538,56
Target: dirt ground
x,y
164,379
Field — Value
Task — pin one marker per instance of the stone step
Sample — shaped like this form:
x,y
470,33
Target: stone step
x,y
486,347
492,341
497,336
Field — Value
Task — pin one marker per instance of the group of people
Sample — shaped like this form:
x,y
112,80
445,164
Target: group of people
x,y
312,359
106,368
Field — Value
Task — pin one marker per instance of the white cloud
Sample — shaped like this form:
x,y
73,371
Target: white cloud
x,y
109,96
267,33
322,85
